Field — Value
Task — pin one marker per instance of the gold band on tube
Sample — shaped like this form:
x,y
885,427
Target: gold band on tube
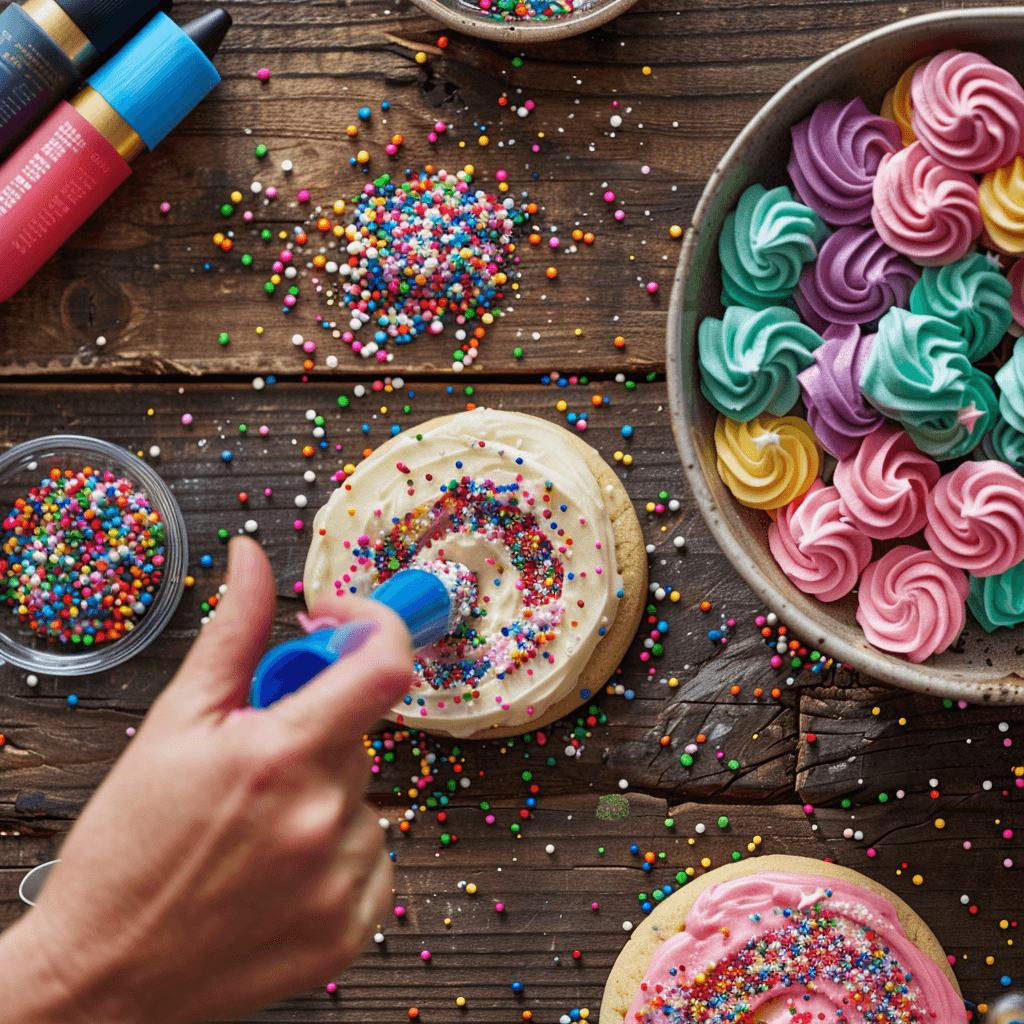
x,y
109,123
50,17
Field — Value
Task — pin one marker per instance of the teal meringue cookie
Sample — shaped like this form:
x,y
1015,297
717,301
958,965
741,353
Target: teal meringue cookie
x,y
998,600
750,359
917,368
1005,443
957,432
764,245
1010,378
970,294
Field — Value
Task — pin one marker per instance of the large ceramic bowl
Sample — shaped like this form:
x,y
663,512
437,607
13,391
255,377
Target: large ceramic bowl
x,y
466,16
983,666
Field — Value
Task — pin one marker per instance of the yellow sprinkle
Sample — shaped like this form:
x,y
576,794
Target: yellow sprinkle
x,y
627,460
236,196
420,58
483,140
259,330
673,682
982,1007
903,721
675,231
940,822
460,1001
917,879
617,456
705,862
650,506
149,412
283,235
876,711
584,1013
757,840
471,888
339,205
578,332
674,596
1004,924
751,848
645,70
561,405
190,581
218,238
383,410
447,921
990,960
413,793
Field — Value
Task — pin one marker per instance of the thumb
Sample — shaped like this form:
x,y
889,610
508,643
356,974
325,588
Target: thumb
x,y
216,672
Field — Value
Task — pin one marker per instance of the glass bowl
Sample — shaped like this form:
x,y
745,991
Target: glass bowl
x,y
466,16
24,467
981,666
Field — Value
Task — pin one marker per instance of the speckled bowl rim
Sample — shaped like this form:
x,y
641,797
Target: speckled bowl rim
x,y
527,31
798,612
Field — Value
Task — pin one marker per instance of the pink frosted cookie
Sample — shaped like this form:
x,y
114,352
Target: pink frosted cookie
x,y
883,488
820,552
976,518
967,112
923,209
910,602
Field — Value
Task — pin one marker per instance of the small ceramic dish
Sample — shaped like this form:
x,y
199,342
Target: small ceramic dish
x,y
467,16
23,468
981,666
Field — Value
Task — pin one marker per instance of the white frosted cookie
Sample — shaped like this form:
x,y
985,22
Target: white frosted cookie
x,y
782,940
551,536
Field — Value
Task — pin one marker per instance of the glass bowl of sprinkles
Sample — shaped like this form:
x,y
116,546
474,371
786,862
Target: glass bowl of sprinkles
x,y
979,666
532,20
93,555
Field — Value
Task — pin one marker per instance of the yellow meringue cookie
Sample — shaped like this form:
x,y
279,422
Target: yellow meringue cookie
x,y
1001,196
768,461
896,105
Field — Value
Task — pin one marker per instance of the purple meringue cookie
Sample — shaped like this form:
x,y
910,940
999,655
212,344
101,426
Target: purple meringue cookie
x,y
854,280
836,153
836,409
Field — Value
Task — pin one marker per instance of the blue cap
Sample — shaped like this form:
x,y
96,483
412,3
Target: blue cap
x,y
156,80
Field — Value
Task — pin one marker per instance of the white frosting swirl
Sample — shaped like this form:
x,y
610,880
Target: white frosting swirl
x,y
512,498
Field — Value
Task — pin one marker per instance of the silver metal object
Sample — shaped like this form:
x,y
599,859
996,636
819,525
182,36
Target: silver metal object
x,y
1008,1010
32,884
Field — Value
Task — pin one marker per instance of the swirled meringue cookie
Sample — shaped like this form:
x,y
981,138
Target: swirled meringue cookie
x,y
923,209
1015,278
763,246
910,602
897,104
998,600
953,433
766,462
1005,443
775,939
976,518
836,153
548,531
820,552
749,360
855,279
1001,199
972,295
883,489
967,112
836,409
1010,378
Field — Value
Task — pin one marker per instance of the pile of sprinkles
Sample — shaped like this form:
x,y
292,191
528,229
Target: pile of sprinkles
x,y
430,249
81,557
526,10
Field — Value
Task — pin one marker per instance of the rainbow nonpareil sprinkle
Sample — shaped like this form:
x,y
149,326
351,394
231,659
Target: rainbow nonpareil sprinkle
x,y
81,557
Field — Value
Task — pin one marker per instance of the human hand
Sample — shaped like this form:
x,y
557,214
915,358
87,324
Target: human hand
x,y
229,857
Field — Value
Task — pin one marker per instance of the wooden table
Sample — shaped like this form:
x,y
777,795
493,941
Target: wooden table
x,y
889,765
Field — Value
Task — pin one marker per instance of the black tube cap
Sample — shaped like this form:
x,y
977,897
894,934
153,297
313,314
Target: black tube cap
x,y
208,30
109,22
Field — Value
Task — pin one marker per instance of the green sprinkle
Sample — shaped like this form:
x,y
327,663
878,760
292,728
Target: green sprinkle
x,y
600,849
517,62
670,822
246,260
723,822
223,337
846,803
630,385
484,806
343,401
658,895
266,234
517,352
469,389
682,877
686,759
261,151
319,421
883,798
242,428
736,854
513,828
527,776
269,288
227,209
223,534
733,765
445,838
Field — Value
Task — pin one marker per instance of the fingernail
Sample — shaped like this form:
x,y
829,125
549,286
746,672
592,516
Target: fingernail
x,y
347,639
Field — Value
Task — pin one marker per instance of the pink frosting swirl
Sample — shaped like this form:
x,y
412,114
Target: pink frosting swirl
x,y
883,489
976,518
836,152
855,279
910,602
968,113
1016,279
923,209
820,552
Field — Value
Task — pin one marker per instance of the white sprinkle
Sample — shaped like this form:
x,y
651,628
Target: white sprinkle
x,y
309,476
699,828
858,835
154,451
847,833
933,783
383,822
31,680
1004,726
772,619
286,166
311,414
660,594
297,339
623,784
331,361
251,526
549,848
650,549
627,926
965,899
615,121
258,383
256,188
679,542
101,341
570,751
378,938
359,391
986,785
301,501
673,505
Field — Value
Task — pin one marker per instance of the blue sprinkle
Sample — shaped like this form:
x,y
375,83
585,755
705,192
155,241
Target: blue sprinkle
x,y
627,430
72,701
517,986
395,429
206,561
629,695
633,848
226,455
364,113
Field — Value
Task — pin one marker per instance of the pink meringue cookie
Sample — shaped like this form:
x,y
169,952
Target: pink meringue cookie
x,y
968,113
923,209
820,552
883,489
910,602
976,518
855,279
1016,279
